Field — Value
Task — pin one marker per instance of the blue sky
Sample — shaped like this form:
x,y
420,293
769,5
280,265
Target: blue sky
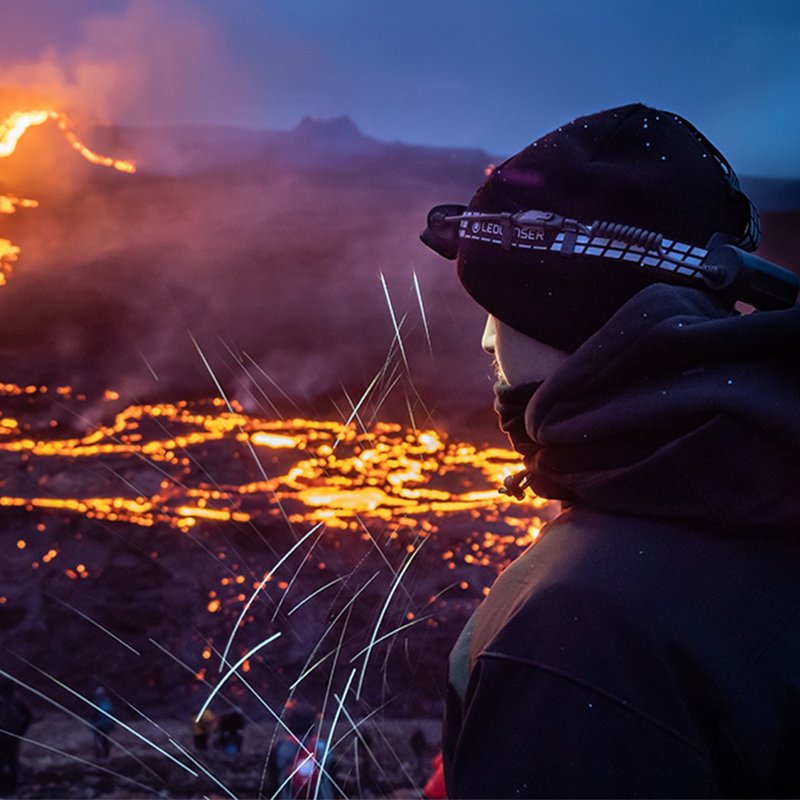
x,y
470,74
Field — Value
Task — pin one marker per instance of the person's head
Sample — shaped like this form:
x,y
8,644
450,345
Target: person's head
x,y
559,272
300,718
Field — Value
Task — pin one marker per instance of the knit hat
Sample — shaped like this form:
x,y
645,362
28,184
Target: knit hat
x,y
631,165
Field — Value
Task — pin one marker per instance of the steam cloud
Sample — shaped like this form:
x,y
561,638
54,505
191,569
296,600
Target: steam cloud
x,y
144,63
266,249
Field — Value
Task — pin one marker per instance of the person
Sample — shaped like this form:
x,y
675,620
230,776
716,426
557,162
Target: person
x,y
15,719
202,728
230,737
102,722
418,744
298,766
648,643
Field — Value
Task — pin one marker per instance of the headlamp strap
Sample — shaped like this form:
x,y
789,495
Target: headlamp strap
x,y
545,230
718,266
508,233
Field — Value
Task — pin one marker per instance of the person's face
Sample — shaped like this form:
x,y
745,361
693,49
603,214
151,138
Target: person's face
x,y
518,359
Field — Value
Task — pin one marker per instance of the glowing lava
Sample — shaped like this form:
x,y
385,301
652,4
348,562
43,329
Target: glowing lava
x,y
9,251
12,129
319,471
8,255
215,474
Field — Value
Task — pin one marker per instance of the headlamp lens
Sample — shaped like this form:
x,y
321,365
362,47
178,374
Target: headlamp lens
x,y
441,235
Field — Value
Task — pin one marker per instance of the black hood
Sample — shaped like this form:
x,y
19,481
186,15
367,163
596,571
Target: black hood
x,y
677,409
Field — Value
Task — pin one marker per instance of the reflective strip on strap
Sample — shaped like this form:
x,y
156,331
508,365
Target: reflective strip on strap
x,y
547,240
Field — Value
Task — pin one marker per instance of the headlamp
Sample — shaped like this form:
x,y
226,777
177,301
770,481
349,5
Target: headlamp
x,y
719,266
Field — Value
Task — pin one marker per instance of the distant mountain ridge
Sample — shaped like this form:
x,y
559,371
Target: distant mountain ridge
x,y
333,142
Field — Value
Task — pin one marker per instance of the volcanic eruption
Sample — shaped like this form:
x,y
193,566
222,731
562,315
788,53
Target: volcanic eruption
x,y
242,551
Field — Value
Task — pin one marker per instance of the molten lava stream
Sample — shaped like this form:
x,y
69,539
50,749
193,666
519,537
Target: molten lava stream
x,y
12,129
321,471
15,126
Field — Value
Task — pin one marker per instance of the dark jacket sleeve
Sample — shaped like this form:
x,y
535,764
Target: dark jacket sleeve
x,y
526,731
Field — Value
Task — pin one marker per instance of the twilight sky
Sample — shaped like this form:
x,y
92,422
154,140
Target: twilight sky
x,y
441,72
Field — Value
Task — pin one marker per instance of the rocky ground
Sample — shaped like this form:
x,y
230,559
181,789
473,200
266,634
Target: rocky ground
x,y
62,763
357,620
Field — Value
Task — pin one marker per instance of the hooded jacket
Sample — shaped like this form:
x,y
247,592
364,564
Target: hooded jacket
x,y
648,644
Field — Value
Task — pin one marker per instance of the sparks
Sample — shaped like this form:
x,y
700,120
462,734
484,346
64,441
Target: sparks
x,y
260,586
384,609
394,321
422,311
249,654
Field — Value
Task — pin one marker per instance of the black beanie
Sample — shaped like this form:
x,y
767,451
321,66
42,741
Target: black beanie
x,y
631,165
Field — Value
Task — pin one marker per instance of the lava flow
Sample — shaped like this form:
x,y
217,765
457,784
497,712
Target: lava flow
x,y
208,463
12,129
163,525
